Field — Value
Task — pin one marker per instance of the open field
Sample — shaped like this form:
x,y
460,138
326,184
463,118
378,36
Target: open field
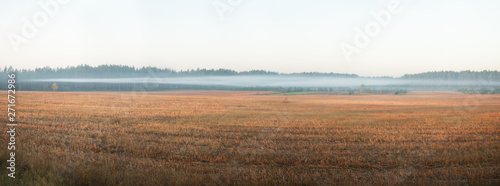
x,y
226,138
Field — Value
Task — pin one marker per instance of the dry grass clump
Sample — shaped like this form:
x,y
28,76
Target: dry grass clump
x,y
226,138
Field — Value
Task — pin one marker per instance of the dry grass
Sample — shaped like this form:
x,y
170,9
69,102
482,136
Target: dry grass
x,y
226,138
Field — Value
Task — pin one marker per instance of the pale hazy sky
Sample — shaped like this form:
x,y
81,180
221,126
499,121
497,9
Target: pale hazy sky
x,y
276,35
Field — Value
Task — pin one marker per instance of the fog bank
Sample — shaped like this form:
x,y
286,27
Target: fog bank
x,y
274,81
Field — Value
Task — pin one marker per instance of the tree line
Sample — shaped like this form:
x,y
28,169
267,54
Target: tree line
x,y
124,71
452,75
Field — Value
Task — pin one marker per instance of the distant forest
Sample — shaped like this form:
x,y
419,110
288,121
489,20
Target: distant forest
x,y
123,71
452,75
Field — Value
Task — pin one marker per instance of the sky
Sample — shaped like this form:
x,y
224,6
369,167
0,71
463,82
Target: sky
x,y
408,36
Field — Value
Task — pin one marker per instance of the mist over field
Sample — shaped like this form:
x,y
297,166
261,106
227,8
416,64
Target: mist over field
x,y
129,78
272,81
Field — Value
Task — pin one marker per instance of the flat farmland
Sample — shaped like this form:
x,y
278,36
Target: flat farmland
x,y
246,138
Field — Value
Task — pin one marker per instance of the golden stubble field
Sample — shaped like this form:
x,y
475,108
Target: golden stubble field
x,y
233,138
